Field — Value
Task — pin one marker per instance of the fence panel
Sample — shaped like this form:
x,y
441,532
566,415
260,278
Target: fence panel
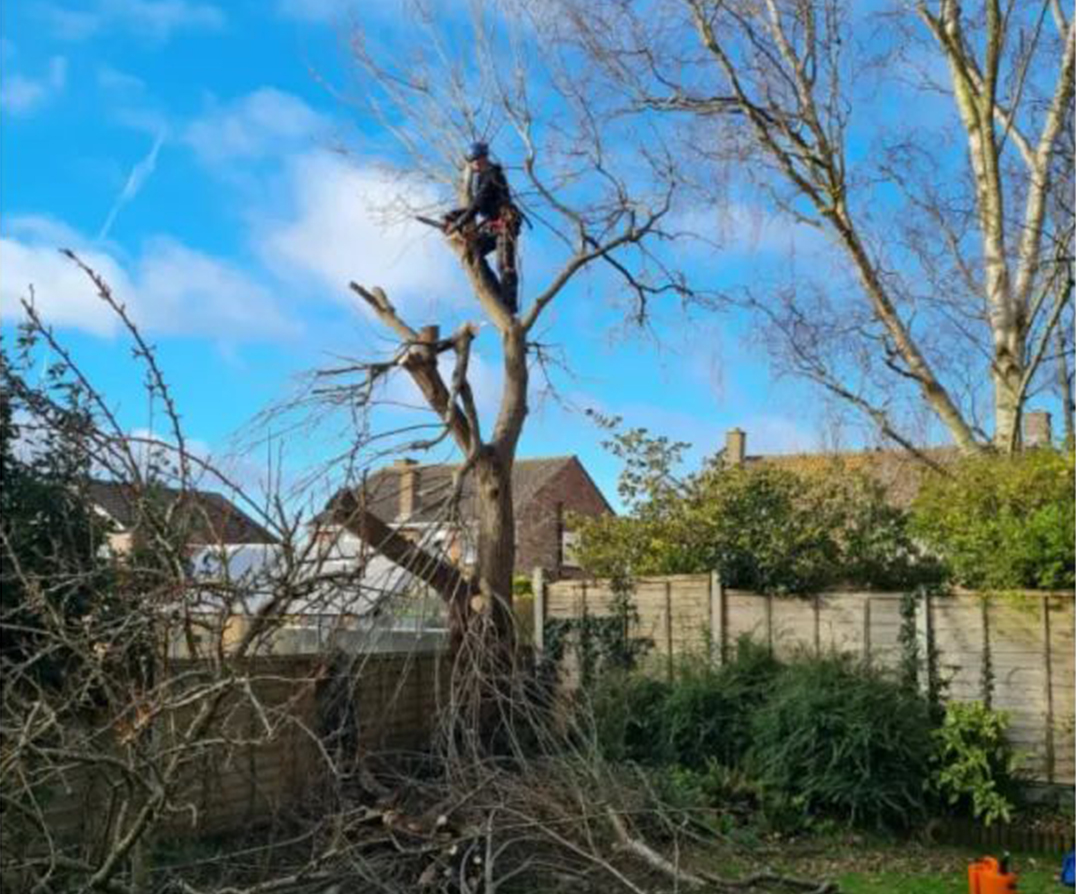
x,y
226,788
1028,639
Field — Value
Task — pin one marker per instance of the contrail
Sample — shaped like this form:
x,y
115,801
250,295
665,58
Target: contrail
x,y
140,173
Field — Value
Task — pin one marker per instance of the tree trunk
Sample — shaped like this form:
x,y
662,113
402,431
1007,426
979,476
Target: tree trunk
x,y
1008,392
496,541
495,512
1064,386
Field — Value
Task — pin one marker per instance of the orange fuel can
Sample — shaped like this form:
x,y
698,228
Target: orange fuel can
x,y
988,876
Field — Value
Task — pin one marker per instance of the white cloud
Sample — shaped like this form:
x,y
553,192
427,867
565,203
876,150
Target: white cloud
x,y
152,19
112,79
70,24
315,10
186,290
61,293
267,122
20,94
168,288
338,231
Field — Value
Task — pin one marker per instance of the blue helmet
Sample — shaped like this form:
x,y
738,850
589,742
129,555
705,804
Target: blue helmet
x,y
478,150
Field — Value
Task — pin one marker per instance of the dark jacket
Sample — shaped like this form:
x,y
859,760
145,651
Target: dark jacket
x,y
489,193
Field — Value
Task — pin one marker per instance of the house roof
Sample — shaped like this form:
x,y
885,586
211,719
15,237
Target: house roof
x,y
213,519
529,476
898,471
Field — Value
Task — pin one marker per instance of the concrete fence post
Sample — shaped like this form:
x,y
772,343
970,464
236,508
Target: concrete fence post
x,y
867,657
1048,676
924,629
718,633
538,586
769,621
816,617
669,629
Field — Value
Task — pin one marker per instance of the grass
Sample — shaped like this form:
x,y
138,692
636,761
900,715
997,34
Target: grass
x,y
1034,880
863,865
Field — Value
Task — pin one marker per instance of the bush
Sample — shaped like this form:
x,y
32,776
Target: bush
x,y
629,717
974,764
837,739
709,710
1003,522
765,529
702,716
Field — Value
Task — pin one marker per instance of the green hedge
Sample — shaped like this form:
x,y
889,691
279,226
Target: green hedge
x,y
764,529
837,739
704,715
1003,523
812,739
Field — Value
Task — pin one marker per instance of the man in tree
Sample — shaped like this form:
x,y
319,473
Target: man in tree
x,y
490,199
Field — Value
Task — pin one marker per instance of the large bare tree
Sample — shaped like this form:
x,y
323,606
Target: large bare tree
x,y
590,194
953,233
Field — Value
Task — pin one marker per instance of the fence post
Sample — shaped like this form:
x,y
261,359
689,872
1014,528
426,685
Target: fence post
x,y
867,631
1047,656
769,621
816,612
718,633
538,586
924,629
669,629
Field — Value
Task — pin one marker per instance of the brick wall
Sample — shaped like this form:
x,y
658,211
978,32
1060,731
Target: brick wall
x,y
538,525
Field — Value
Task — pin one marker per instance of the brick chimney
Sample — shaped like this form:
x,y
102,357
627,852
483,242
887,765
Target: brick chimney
x,y
735,447
1037,429
410,499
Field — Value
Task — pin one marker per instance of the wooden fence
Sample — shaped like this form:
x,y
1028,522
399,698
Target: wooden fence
x,y
1025,639
385,702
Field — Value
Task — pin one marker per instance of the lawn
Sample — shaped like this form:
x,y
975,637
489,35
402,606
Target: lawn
x,y
873,866
945,881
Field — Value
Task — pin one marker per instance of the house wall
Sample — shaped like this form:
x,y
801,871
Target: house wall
x,y
538,526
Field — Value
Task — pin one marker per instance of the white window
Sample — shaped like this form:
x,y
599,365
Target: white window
x,y
569,540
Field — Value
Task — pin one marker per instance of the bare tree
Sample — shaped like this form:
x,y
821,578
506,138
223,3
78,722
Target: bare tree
x,y
588,204
956,271
132,664
129,674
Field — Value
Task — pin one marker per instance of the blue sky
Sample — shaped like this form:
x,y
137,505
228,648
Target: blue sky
x,y
188,152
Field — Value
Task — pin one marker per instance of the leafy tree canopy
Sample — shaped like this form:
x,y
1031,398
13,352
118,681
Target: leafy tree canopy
x,y
762,528
1003,522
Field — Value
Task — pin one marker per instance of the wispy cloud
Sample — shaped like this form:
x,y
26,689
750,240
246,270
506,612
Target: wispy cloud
x,y
334,227
109,78
266,122
152,19
140,173
314,10
20,94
